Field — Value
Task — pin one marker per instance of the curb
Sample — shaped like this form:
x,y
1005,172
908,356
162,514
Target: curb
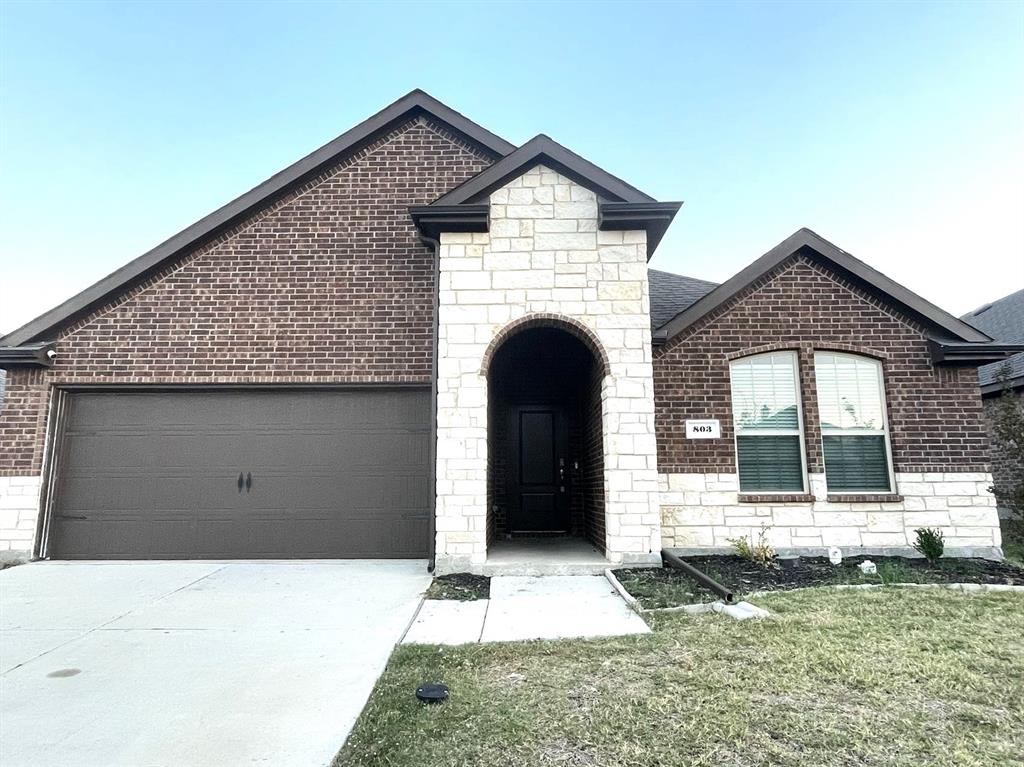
x,y
967,587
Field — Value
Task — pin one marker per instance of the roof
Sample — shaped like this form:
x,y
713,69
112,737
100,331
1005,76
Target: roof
x,y
1004,321
411,105
945,329
542,150
620,205
671,293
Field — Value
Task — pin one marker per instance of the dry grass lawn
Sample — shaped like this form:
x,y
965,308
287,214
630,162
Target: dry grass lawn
x,y
893,677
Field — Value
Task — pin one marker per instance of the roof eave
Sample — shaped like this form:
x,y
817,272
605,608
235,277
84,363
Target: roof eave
x,y
652,217
809,242
542,150
432,220
27,355
956,354
412,104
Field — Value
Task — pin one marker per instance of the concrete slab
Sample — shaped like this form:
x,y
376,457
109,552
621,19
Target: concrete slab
x,y
544,556
19,646
256,663
448,622
84,595
557,607
740,611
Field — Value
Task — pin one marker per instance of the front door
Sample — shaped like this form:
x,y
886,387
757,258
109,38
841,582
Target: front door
x,y
540,472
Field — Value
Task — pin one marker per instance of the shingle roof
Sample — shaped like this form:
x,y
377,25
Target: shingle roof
x,y
671,293
1004,321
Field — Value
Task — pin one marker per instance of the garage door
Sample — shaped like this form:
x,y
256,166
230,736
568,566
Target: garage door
x,y
243,474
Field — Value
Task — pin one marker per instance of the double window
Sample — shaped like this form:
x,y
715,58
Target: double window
x,y
769,423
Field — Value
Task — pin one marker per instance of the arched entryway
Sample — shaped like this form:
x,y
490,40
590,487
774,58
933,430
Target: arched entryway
x,y
545,473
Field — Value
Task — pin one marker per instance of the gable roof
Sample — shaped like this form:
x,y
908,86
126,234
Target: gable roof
x,y
1004,321
950,334
542,150
621,206
409,106
671,293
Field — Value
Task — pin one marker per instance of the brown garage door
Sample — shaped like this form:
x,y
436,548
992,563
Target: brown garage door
x,y
240,474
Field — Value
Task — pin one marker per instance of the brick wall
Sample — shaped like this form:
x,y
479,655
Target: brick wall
x,y
330,284
935,420
935,415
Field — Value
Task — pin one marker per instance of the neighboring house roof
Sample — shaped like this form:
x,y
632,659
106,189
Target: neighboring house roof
x,y
671,293
411,105
1004,321
620,205
953,341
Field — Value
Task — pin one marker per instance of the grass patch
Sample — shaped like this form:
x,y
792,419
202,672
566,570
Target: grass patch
x,y
898,678
463,587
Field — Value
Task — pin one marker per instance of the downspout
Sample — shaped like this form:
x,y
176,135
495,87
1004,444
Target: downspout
x,y
435,246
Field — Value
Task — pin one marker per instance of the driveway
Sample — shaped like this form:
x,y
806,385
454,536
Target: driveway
x,y
194,663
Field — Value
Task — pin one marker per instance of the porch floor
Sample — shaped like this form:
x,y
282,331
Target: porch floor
x,y
544,556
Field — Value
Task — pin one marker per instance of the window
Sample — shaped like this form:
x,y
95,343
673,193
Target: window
x,y
769,429
855,442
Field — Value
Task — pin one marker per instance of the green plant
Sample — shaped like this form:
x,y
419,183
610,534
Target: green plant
x,y
930,542
1007,425
761,552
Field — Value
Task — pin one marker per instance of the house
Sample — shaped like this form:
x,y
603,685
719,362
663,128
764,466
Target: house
x,y
1004,321
421,340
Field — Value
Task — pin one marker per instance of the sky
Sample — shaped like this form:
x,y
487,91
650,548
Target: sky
x,y
895,130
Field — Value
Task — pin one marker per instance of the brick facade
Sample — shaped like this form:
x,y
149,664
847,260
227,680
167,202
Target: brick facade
x,y
331,284
936,427
935,414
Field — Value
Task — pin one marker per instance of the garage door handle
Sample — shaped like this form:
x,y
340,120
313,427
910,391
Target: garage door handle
x,y
239,481
248,481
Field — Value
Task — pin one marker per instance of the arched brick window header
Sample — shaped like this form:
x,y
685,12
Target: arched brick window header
x,y
568,324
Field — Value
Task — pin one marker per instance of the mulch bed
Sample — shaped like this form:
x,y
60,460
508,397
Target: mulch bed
x,y
464,587
742,576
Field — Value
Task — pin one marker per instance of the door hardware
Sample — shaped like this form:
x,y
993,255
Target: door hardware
x,y
248,481
240,481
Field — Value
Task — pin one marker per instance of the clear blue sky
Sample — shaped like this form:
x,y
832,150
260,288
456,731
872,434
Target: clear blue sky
x,y
895,130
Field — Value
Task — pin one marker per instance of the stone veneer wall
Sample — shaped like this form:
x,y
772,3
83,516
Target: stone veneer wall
x,y
544,257
702,510
19,507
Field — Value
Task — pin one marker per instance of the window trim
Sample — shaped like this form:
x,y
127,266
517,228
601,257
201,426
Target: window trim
x,y
884,431
736,429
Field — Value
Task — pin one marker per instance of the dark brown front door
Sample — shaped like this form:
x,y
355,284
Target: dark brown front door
x,y
539,497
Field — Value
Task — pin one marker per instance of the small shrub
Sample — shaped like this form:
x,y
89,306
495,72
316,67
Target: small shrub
x,y
760,553
931,543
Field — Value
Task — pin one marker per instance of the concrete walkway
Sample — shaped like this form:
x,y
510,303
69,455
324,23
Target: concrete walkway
x,y
523,607
194,663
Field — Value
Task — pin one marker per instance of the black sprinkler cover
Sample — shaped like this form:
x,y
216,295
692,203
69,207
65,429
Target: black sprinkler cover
x,y
432,693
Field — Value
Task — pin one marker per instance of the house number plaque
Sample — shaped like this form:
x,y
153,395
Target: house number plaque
x,y
706,428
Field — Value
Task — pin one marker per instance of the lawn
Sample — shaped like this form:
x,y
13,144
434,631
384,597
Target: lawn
x,y
881,677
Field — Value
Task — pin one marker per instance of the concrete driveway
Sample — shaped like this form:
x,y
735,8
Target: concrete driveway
x,y
194,663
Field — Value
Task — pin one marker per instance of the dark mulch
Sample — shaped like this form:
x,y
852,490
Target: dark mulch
x,y
667,587
464,587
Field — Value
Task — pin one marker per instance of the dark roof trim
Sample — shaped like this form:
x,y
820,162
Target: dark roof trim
x,y
411,105
1000,386
652,217
542,150
431,220
952,354
35,355
807,242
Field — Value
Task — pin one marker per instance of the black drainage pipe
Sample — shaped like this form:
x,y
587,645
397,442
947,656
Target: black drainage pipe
x,y
707,582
